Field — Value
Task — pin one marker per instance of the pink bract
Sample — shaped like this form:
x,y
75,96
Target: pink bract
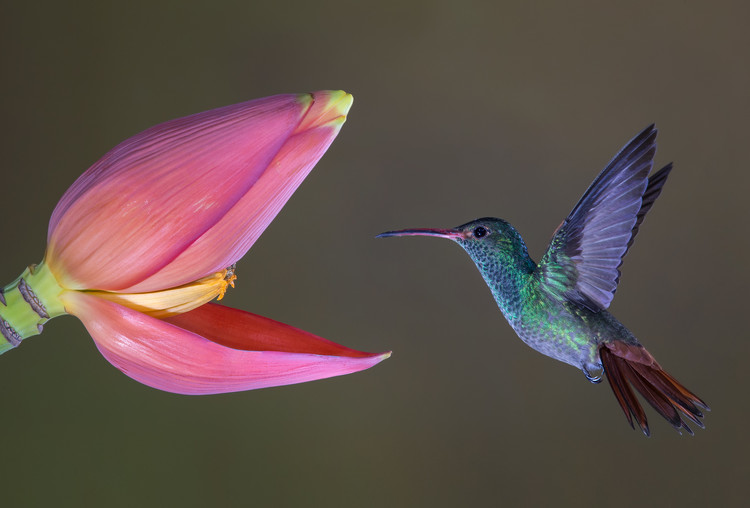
x,y
238,351
188,197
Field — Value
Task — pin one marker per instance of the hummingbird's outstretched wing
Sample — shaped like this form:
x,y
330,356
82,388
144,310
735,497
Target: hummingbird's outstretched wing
x,y
583,259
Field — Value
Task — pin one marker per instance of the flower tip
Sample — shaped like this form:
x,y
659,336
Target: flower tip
x,y
328,108
337,102
370,360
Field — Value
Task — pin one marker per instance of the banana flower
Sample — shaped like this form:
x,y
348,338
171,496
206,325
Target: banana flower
x,y
146,237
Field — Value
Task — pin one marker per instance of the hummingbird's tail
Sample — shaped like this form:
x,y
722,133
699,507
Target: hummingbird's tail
x,y
627,365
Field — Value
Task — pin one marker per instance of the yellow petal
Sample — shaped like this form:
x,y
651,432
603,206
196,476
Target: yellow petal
x,y
169,302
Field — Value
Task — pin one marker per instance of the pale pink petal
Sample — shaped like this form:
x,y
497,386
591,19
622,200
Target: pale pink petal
x,y
168,357
231,237
138,208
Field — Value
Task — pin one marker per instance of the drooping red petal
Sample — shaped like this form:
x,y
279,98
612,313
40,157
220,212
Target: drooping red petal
x,y
240,329
165,356
134,213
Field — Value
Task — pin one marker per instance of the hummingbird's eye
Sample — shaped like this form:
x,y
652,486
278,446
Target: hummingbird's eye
x,y
480,231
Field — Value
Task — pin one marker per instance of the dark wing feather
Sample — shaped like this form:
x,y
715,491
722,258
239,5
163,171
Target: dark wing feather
x,y
655,184
583,259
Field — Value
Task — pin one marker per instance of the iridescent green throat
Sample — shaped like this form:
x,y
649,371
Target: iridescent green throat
x,y
507,269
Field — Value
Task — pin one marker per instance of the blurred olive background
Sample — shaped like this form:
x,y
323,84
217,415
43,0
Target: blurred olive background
x,y
461,110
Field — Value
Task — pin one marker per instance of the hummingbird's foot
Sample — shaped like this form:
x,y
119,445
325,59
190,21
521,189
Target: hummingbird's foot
x,y
596,377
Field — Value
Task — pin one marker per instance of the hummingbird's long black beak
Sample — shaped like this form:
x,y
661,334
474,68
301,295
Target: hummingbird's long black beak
x,y
451,234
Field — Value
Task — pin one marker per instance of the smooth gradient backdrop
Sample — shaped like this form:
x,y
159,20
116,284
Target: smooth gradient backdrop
x,y
462,110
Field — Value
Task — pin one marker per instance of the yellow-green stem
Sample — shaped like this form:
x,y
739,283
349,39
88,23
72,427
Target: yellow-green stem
x,y
26,304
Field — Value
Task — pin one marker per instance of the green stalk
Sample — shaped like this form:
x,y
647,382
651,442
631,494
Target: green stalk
x,y
26,304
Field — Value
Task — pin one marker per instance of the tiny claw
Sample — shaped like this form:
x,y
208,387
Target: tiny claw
x,y
594,378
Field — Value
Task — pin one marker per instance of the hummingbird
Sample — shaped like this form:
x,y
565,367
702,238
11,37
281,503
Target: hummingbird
x,y
559,305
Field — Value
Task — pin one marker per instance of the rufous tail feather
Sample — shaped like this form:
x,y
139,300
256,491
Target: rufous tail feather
x,y
631,366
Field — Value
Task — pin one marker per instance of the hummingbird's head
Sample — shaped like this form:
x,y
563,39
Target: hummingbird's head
x,y
488,230
481,239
